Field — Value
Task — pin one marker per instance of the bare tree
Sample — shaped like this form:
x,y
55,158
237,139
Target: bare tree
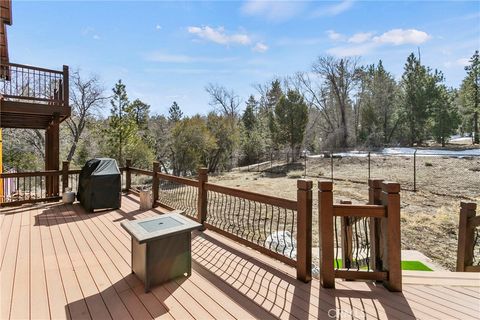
x,y
87,96
340,77
316,96
226,102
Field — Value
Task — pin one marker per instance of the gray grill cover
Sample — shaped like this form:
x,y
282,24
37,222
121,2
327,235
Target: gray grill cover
x,y
99,185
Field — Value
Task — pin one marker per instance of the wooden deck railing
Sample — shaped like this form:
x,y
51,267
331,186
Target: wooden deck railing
x,y
468,239
32,84
356,241
361,241
30,187
275,226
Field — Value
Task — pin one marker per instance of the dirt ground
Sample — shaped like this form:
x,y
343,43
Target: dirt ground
x,y
429,216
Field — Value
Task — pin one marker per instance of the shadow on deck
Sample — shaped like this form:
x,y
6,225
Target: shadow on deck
x,y
60,262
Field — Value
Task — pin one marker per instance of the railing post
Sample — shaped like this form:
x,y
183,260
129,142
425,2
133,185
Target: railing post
x,y
391,236
66,93
325,223
202,195
465,236
155,183
304,230
65,165
375,197
128,175
369,167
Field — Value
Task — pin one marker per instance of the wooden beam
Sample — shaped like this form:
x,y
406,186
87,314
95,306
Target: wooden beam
x,y
349,210
18,107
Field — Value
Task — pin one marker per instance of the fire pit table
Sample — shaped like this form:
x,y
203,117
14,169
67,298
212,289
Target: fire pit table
x,y
161,247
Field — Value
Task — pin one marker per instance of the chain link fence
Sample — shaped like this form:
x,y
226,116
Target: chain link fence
x,y
434,171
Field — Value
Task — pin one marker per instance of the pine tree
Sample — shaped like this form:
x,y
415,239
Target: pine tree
x,y
291,115
141,112
249,119
121,125
444,114
470,94
174,113
377,105
273,97
415,97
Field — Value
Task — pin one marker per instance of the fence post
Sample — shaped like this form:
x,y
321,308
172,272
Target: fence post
x,y
304,230
415,171
325,223
155,183
391,236
128,175
375,197
305,174
202,195
65,165
465,236
369,165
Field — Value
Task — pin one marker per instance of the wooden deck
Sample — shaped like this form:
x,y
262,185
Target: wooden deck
x,y
59,262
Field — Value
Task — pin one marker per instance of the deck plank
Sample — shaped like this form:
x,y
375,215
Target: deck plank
x,y
110,297
5,236
8,268
76,265
39,304
130,299
21,290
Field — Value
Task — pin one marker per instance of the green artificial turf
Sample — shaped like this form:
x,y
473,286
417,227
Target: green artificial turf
x,y
414,265
406,265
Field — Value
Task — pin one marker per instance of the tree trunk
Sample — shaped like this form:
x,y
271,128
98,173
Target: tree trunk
x,y
475,125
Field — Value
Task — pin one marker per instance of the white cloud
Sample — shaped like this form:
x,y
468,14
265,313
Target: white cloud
x,y
158,27
182,58
334,9
401,36
260,47
218,35
360,37
272,10
335,35
364,42
96,37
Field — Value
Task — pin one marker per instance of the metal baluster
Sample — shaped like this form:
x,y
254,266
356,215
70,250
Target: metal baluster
x,y
336,242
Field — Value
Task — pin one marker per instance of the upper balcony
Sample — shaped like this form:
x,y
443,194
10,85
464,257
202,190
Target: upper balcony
x,y
31,96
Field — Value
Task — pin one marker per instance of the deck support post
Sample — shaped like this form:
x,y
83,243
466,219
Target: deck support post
x,y
128,175
65,88
325,222
375,197
466,234
202,196
52,155
155,183
391,236
304,230
65,165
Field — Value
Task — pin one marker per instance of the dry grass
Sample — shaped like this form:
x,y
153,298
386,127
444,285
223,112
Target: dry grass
x,y
429,216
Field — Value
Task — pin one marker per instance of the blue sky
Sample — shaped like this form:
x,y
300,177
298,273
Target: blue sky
x,y
166,51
